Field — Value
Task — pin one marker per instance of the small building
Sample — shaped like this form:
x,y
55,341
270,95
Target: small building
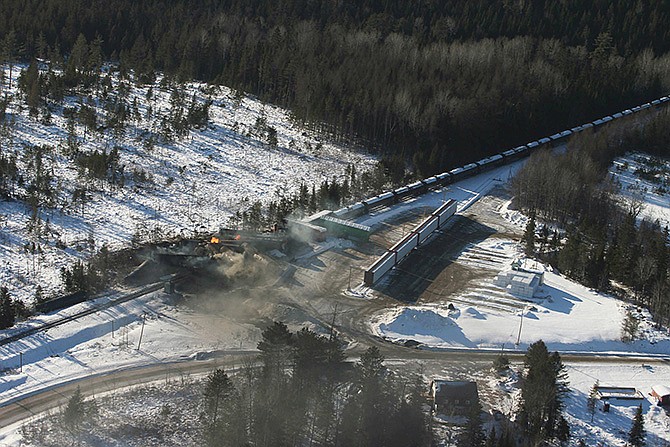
x,y
453,398
618,392
661,393
520,283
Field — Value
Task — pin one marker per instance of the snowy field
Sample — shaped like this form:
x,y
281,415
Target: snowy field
x,y
645,180
197,183
611,429
109,339
566,315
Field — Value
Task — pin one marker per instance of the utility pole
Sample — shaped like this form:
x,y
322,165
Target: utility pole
x,y
144,319
518,338
349,287
20,361
332,324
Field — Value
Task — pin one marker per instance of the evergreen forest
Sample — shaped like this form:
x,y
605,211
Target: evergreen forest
x,y
604,243
431,84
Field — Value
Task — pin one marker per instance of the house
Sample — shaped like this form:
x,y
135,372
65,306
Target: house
x,y
521,283
661,393
453,398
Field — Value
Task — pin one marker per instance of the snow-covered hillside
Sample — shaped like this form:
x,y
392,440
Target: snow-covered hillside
x,y
192,184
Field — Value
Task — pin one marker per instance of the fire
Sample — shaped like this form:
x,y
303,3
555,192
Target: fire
x,y
238,237
214,240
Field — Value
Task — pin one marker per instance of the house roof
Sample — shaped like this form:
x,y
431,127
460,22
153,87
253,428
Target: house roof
x,y
451,390
661,390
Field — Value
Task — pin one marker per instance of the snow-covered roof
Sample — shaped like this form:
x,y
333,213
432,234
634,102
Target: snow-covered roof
x,y
661,390
449,390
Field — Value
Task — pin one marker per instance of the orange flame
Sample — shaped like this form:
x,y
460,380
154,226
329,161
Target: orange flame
x,y
238,237
214,240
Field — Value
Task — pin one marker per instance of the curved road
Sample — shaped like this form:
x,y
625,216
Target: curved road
x,y
20,409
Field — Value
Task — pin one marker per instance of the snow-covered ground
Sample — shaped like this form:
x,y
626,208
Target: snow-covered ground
x,y
567,316
644,182
611,429
109,339
197,184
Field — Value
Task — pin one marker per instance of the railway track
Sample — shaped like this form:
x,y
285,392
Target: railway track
x,y
63,320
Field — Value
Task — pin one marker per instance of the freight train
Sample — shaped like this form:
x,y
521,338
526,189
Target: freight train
x,y
420,187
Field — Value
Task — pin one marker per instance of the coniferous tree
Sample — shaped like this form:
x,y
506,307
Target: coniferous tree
x,y
276,349
492,438
223,420
77,411
544,388
273,414
10,52
365,418
39,295
7,309
637,434
629,327
562,430
473,434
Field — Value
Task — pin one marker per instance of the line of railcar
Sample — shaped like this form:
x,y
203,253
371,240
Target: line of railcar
x,y
62,302
396,254
415,189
